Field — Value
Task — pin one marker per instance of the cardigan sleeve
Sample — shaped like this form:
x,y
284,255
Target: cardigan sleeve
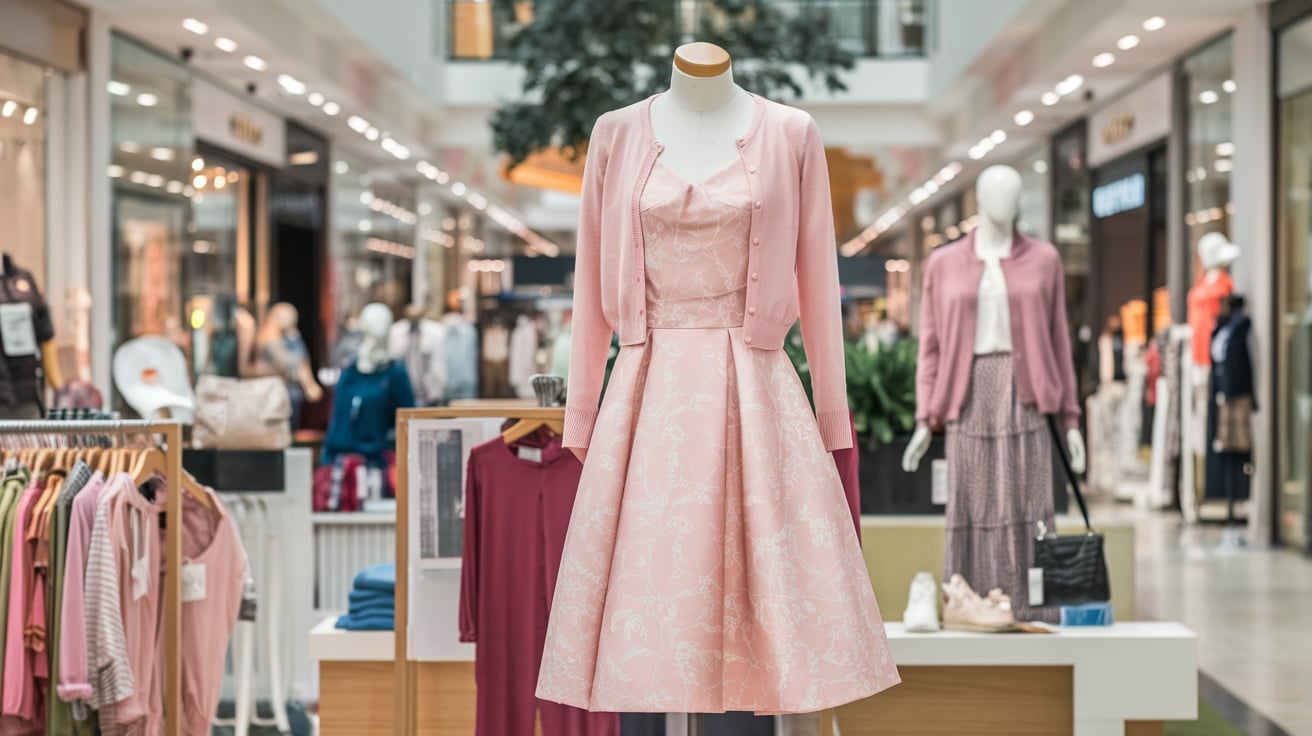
x,y
591,334
1061,344
818,297
930,348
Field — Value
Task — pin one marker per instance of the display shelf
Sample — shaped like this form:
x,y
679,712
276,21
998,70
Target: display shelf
x,y
331,644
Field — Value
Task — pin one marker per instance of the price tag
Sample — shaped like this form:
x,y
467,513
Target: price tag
x,y
193,582
1036,586
17,330
939,482
531,454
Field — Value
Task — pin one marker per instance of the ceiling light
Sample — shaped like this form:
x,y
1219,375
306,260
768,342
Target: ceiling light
x,y
458,189
331,108
1208,96
129,147
304,158
1023,118
366,198
999,136
1127,42
255,62
155,180
978,153
315,99
9,108
357,123
371,133
1229,86
115,171
1224,166
222,43
1155,23
1225,149
139,177
118,89
146,99
197,163
341,167
291,84
162,153
1069,85
365,226
1041,166
174,187
197,27
1105,59
1050,98
199,181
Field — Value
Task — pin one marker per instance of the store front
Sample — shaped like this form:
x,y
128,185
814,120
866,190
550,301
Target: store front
x,y
1294,275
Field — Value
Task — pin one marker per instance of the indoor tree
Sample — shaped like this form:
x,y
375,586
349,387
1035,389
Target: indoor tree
x,y
582,58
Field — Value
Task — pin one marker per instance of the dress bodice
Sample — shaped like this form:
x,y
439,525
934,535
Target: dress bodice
x,y
696,248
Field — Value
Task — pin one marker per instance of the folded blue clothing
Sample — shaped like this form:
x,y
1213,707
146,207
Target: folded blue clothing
x,y
371,597
377,577
385,608
1089,614
371,622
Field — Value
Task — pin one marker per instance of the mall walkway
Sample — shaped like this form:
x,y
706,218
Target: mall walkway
x,y
1250,608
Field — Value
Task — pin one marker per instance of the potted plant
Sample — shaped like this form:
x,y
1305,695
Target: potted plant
x,y
881,390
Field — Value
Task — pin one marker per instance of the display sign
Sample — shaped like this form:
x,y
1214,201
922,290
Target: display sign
x,y
235,124
1119,196
1131,122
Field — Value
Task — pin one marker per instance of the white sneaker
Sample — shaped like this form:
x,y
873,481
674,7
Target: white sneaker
x,y
921,615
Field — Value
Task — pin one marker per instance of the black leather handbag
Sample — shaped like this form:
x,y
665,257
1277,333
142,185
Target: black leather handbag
x,y
1073,567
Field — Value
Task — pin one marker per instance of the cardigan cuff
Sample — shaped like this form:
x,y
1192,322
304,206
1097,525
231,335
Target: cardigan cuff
x,y
578,427
835,429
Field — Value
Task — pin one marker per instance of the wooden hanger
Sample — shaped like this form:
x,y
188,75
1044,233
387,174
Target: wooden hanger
x,y
525,427
152,460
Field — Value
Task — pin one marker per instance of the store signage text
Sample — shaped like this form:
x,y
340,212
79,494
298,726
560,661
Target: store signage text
x,y
1118,128
245,129
1119,196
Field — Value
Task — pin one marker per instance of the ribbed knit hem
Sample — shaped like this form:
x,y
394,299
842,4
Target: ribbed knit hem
x,y
835,429
578,427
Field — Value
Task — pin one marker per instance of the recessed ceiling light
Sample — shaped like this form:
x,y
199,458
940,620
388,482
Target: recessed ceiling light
x,y
9,108
1050,98
155,180
1023,118
977,153
291,84
1208,96
1229,86
999,136
315,99
1041,166
129,147
29,115
371,133
139,177
162,153
115,171
118,89
174,187
146,99
1069,85
1225,149
197,163
331,108
357,123
1155,23
225,44
195,26
1105,59
341,167
1127,42
255,62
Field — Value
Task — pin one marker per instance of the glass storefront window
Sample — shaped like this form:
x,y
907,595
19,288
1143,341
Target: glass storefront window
x,y
150,133
217,267
1071,191
1294,282
23,164
1036,184
1209,158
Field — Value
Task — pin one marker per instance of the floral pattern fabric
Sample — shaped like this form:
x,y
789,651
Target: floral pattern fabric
x,y
710,563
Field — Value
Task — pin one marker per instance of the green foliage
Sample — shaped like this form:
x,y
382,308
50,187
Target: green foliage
x,y
582,58
881,385
881,389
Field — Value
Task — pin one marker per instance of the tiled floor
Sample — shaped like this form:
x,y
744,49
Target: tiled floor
x,y
1251,608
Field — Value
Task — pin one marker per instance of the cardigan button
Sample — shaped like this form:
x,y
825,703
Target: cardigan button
x,y
751,310
752,168
756,240
755,277
748,340
758,204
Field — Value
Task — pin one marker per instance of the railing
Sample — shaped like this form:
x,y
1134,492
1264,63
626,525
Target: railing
x,y
480,29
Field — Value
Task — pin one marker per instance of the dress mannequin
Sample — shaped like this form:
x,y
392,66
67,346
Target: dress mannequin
x,y
1216,254
282,353
20,286
375,321
368,394
703,113
998,194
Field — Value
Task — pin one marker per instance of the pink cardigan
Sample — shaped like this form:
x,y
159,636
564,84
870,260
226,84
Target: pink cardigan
x,y
793,263
1036,295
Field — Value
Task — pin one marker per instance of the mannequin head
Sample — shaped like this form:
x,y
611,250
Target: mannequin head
x,y
998,195
700,60
284,316
1215,251
376,320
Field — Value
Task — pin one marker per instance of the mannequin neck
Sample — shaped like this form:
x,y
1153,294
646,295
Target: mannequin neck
x,y
700,94
1213,274
993,239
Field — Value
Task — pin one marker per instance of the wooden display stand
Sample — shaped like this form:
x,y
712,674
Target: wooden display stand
x,y
1123,680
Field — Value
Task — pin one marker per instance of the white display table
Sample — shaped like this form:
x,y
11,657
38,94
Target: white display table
x,y
1121,680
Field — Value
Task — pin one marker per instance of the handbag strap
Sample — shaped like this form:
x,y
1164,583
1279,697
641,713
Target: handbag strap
x,y
1066,463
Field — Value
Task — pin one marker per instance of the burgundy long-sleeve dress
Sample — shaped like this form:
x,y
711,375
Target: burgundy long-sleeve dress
x,y
517,511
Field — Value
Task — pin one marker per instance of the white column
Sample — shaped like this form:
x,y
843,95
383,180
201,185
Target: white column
x,y
99,196
1253,229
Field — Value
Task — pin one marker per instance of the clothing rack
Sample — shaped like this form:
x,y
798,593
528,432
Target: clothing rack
x,y
172,437
406,673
